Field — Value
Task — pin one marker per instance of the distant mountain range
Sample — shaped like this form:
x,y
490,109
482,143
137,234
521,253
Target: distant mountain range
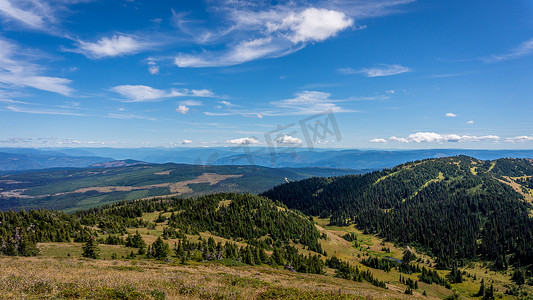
x,y
27,159
31,161
108,182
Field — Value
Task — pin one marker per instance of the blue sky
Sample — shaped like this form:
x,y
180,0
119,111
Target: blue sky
x,y
395,74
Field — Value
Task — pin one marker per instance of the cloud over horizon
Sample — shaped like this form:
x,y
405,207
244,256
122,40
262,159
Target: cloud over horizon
x,y
432,137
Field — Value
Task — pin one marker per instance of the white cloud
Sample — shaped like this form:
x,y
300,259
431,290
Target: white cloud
x,y
526,48
129,117
390,92
191,103
385,70
143,93
519,139
470,122
227,103
35,14
378,141
370,98
451,115
202,93
348,71
19,73
281,33
243,141
309,102
312,24
153,67
185,142
153,70
140,93
242,52
432,137
182,109
45,111
113,46
287,139
253,115
304,103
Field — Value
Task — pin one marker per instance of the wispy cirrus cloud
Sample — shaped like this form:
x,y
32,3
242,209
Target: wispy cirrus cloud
x,y
67,112
303,103
45,111
144,93
257,30
32,14
378,71
191,103
524,49
15,71
116,45
308,103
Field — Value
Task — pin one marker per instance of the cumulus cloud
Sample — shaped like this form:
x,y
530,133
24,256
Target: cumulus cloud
x,y
182,109
118,44
524,49
243,141
451,115
312,24
519,139
432,137
143,93
153,70
287,139
186,142
378,141
470,122
19,73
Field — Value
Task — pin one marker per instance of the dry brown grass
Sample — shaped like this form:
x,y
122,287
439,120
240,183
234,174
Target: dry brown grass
x,y
49,278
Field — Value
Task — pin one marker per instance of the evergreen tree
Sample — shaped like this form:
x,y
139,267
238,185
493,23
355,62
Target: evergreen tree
x,y
90,248
159,249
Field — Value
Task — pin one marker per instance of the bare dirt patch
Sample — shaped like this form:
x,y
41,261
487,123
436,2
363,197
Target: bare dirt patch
x,y
211,178
167,172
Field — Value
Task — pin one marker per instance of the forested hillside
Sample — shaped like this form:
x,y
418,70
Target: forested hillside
x,y
106,183
432,228
453,208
